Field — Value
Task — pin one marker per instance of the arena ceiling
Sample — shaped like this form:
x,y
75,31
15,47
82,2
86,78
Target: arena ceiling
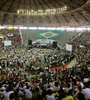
x,y
45,13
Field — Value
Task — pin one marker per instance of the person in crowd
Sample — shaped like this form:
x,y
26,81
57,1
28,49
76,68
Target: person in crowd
x,y
30,75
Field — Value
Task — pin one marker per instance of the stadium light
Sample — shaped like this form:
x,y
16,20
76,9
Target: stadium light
x,y
78,29
47,28
42,12
42,28
88,29
21,28
15,27
54,28
81,29
70,29
61,28
33,28
51,28
2,27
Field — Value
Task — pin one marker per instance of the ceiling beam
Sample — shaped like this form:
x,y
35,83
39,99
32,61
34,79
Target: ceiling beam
x,y
39,19
79,13
75,19
16,10
7,11
83,17
44,10
55,16
30,9
24,7
66,19
3,5
79,5
30,4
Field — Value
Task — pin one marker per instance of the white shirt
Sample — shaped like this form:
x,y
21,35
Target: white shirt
x,y
51,84
7,94
50,97
82,85
28,94
45,85
86,79
56,88
3,88
68,89
0,67
20,93
86,92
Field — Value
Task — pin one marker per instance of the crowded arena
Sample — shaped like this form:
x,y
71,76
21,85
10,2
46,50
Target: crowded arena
x,y
44,49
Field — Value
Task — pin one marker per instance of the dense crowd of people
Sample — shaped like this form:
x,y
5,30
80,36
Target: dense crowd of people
x,y
18,83
34,58
12,34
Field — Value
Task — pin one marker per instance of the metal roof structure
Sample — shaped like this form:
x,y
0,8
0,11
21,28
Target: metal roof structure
x,y
45,13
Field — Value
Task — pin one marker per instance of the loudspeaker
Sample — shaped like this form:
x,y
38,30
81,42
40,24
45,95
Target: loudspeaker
x,y
55,44
29,42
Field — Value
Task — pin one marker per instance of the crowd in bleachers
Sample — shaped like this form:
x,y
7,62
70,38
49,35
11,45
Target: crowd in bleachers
x,y
16,83
81,46
13,35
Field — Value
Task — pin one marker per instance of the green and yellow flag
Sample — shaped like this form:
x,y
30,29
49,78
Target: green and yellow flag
x,y
48,34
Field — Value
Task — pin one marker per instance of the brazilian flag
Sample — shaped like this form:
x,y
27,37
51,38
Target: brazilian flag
x,y
48,34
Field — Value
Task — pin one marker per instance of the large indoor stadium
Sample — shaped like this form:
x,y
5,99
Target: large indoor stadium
x,y
44,49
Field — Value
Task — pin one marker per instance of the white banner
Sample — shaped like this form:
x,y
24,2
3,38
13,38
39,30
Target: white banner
x,y
81,46
7,43
69,47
